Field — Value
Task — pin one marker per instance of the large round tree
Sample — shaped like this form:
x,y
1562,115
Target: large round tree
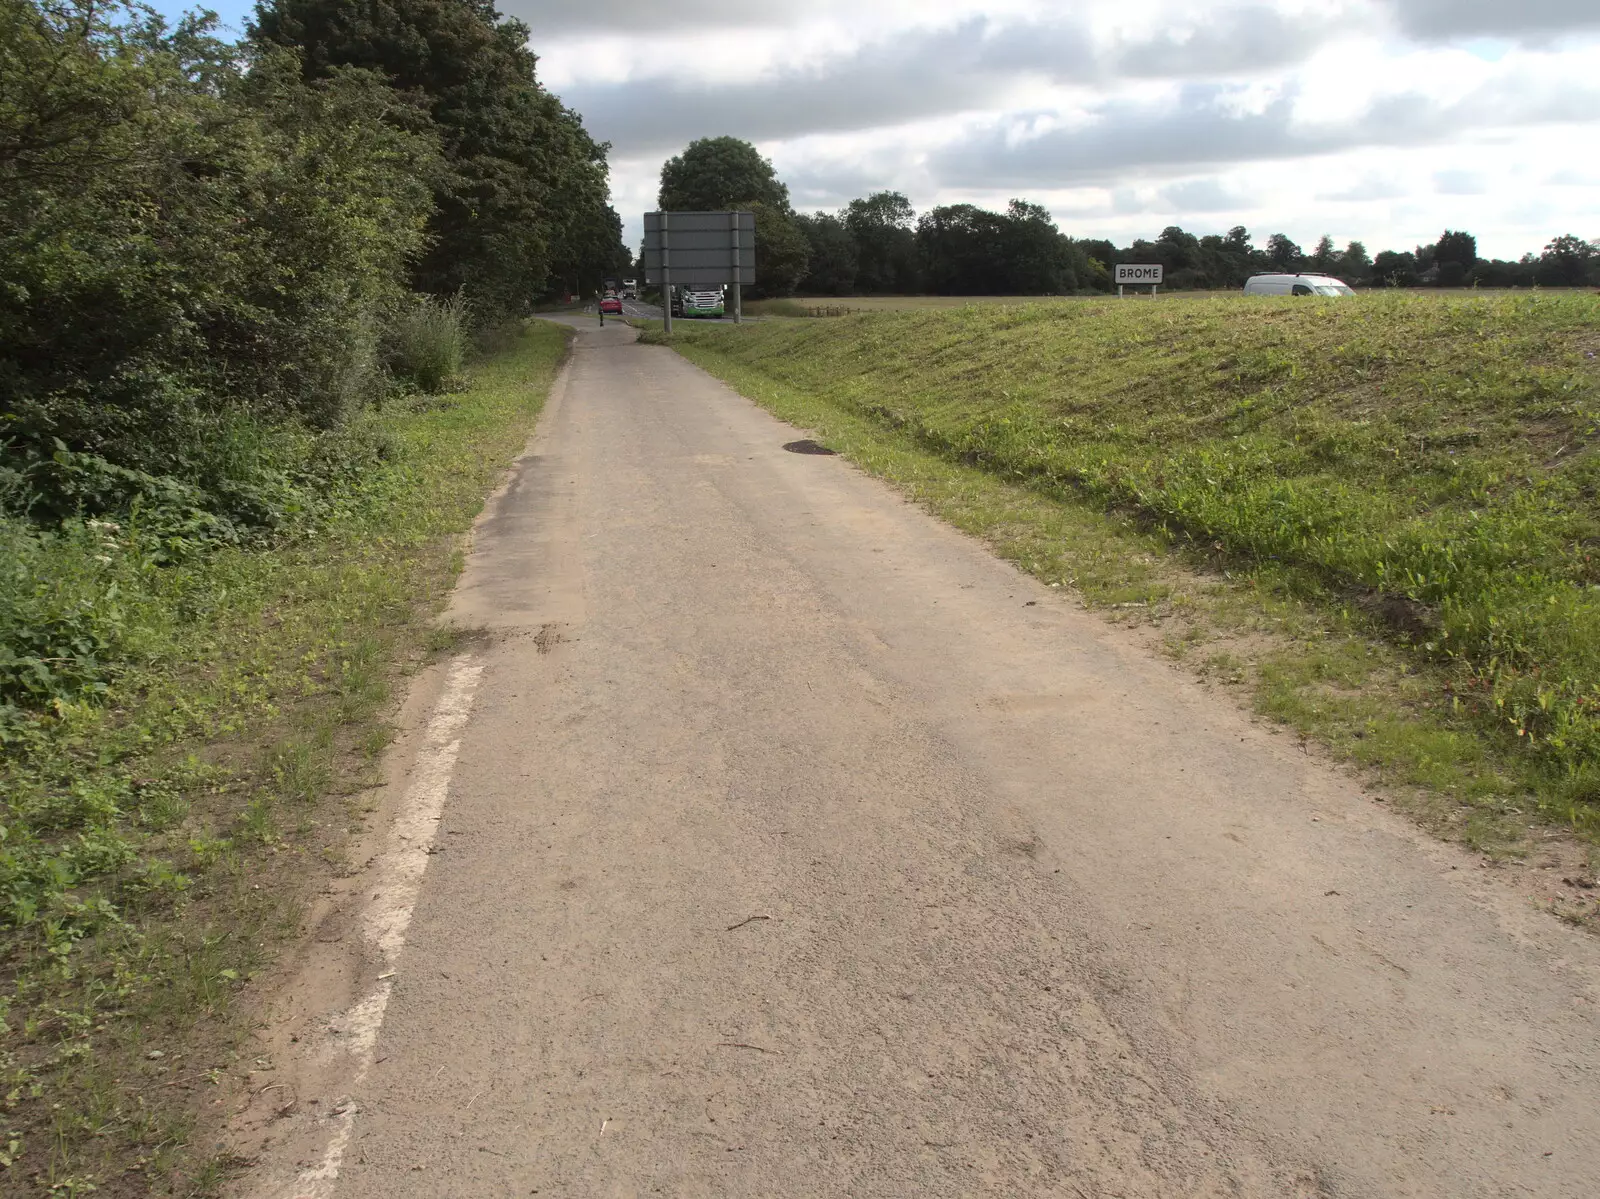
x,y
716,174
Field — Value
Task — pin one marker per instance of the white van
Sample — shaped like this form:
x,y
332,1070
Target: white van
x,y
1295,285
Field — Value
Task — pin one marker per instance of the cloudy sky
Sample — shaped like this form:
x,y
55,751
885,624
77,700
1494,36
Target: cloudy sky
x,y
1383,120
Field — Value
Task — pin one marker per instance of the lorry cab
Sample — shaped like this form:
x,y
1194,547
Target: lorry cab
x,y
1296,285
697,301
703,301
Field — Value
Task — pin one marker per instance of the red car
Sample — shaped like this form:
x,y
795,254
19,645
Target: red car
x,y
611,306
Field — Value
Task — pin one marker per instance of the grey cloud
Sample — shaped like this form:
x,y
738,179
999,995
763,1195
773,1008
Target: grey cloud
x,y
630,18
1444,20
1131,138
1126,137
925,73
880,84
1126,201
1190,195
1228,42
1202,195
829,188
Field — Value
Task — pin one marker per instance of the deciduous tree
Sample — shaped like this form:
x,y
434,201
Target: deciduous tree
x,y
886,247
1393,268
782,252
719,173
1354,265
523,187
832,268
1283,253
1567,261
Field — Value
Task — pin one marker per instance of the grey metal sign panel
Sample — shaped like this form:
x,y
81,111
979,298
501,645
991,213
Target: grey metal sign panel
x,y
700,247
700,276
681,258
699,222
699,270
722,240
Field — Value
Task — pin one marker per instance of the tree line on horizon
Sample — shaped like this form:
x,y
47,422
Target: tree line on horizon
x,y
879,244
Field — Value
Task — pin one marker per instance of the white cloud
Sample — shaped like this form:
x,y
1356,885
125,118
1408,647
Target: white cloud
x,y
1383,120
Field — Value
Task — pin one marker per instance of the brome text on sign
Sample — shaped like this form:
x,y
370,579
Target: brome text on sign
x,y
1138,276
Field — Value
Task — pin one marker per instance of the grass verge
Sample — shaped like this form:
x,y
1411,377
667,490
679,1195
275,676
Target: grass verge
x,y
801,306
1377,516
805,307
158,843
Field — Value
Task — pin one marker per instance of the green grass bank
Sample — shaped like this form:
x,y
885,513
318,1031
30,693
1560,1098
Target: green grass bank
x,y
157,832
1419,468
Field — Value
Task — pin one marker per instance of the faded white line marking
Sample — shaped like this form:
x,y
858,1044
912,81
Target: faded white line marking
x,y
397,879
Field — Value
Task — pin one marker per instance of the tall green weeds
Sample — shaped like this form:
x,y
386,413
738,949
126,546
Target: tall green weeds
x,y
429,339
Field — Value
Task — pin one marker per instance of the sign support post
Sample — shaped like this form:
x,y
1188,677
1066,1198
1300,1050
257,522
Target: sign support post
x,y
738,298
666,280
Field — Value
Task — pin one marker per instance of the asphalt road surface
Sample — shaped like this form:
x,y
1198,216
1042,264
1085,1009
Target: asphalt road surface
x,y
776,840
652,312
641,311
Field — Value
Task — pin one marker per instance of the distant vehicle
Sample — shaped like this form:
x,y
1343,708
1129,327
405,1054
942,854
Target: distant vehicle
x,y
630,289
702,302
1296,285
611,305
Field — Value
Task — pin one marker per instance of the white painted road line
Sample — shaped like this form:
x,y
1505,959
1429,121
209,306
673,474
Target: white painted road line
x,y
397,880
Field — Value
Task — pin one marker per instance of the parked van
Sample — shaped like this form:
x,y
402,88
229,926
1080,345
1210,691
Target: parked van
x,y
1295,285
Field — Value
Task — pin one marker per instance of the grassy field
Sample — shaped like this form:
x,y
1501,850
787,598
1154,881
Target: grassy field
x,y
1397,492
801,307
156,845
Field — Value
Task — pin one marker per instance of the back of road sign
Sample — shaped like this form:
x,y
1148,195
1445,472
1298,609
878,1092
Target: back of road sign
x,y
700,247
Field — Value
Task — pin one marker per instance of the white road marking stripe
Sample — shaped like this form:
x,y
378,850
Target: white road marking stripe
x,y
398,878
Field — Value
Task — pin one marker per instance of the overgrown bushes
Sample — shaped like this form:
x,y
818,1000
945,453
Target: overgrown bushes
x,y
208,250
197,251
207,260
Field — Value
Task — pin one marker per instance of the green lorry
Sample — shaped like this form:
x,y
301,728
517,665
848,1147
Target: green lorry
x,y
698,301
